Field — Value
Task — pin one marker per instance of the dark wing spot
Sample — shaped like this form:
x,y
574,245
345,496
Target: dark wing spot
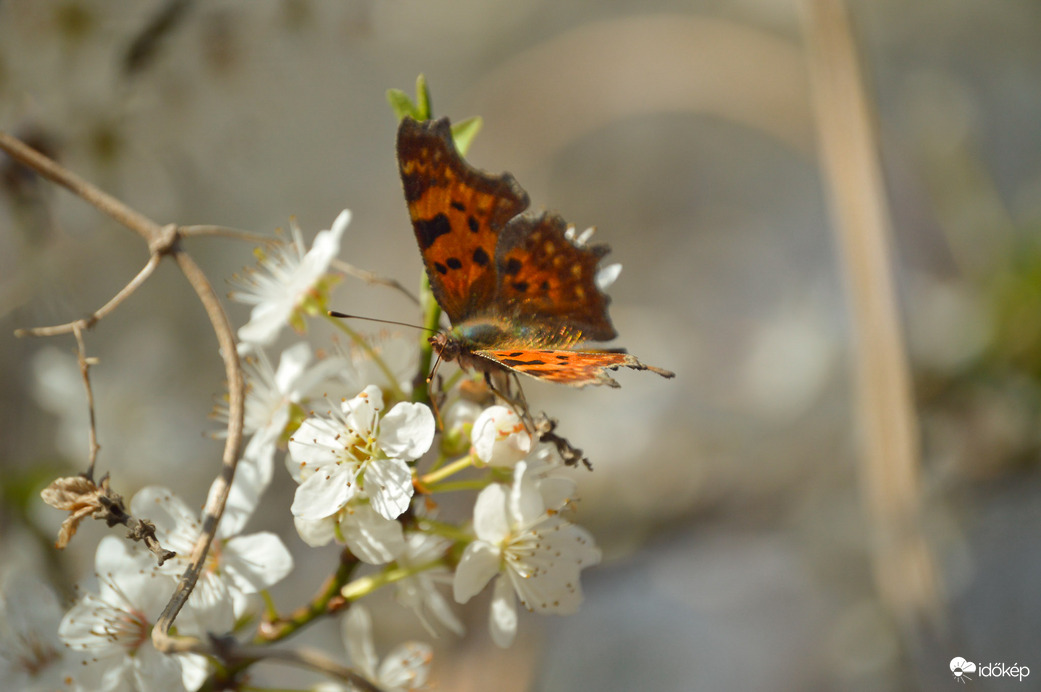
x,y
481,257
415,186
563,357
515,354
513,265
454,263
538,372
441,269
458,206
472,223
544,285
521,286
514,361
429,230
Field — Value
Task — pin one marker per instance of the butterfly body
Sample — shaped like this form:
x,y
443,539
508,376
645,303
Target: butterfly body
x,y
519,290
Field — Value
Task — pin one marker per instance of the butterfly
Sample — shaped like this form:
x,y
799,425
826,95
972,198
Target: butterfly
x,y
519,291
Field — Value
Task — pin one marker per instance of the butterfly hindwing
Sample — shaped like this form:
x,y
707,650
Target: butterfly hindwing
x,y
546,278
577,368
457,214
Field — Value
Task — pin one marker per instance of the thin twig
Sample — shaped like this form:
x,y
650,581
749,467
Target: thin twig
x,y
218,496
313,660
375,279
163,240
326,602
92,430
89,321
103,202
226,232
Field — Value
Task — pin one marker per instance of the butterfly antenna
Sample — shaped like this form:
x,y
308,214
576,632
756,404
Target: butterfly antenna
x,y
433,397
345,316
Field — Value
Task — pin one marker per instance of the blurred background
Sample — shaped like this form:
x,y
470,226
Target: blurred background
x,y
739,506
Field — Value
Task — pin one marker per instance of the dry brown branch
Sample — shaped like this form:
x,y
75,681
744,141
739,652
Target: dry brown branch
x,y
313,660
374,279
100,313
233,443
92,430
162,241
226,232
83,498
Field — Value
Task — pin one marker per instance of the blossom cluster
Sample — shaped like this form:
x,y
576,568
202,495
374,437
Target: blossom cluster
x,y
369,458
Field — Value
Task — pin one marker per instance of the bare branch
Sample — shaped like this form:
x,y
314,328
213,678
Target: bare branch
x,y
82,498
102,312
162,241
370,278
226,232
92,430
233,443
313,660
107,204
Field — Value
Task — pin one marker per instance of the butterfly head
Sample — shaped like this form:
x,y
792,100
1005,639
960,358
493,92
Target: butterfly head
x,y
446,347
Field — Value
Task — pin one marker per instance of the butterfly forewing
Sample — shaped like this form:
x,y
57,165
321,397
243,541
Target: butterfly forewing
x,y
545,278
457,214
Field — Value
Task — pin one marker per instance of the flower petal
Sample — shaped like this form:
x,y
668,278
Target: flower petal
x,y
324,493
525,502
479,563
499,437
256,562
502,618
388,483
407,431
357,636
491,523
316,532
372,538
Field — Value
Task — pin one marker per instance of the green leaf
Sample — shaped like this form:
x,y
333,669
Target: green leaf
x,y
464,131
401,104
423,106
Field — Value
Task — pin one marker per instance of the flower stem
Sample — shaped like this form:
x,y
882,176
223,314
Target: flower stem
x,y
432,322
328,600
447,470
366,585
453,486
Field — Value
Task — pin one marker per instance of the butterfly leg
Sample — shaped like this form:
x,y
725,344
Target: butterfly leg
x,y
499,382
543,427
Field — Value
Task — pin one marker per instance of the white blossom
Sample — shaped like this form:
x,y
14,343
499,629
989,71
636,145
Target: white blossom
x,y
32,656
419,591
534,554
405,668
112,628
372,538
288,276
398,359
499,437
236,567
356,453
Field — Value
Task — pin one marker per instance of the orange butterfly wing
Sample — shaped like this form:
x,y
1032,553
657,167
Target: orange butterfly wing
x,y
576,368
457,214
547,279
